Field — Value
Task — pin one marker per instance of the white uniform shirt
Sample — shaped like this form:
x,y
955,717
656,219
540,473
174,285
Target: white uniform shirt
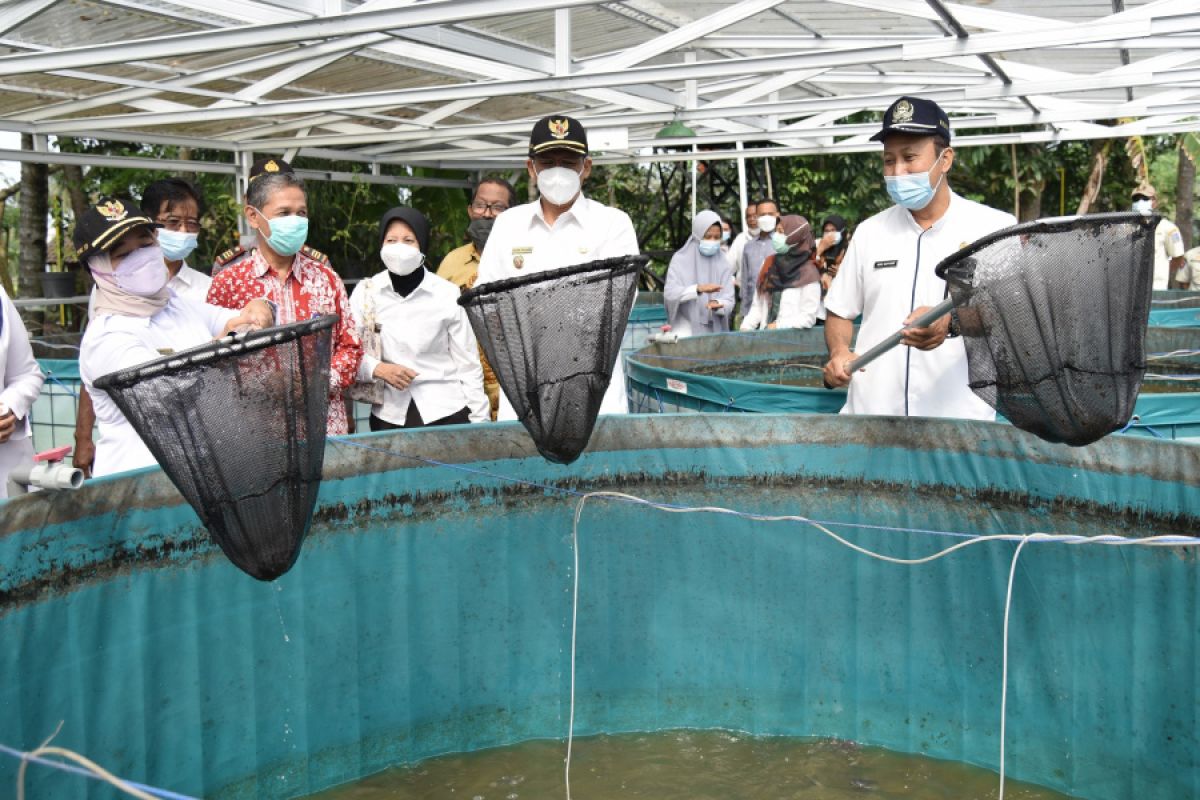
x,y
1189,274
114,342
190,283
887,273
427,332
20,384
521,242
736,248
1168,244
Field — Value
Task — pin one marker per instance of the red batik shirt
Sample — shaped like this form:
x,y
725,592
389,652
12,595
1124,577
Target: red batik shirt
x,y
309,290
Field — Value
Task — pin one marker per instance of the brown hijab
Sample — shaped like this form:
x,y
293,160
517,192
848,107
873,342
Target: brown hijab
x,y
795,268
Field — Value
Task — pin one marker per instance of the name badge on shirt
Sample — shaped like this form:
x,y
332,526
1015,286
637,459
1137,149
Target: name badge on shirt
x,y
886,264
518,256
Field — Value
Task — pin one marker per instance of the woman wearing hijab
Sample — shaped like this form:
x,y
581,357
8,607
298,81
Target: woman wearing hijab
x,y
791,272
136,318
831,248
699,289
429,362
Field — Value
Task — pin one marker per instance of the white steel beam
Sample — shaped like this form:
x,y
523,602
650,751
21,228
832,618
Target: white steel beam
x,y
434,12
681,36
655,74
19,11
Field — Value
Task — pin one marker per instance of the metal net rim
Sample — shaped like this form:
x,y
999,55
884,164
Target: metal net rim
x,y
1048,225
214,351
617,265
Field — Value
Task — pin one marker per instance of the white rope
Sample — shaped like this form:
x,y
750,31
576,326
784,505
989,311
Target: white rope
x,y
46,750
1111,540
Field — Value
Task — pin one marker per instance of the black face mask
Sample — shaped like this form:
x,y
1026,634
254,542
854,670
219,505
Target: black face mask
x,y
479,230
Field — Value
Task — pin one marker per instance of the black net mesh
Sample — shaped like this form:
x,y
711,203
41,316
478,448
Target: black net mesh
x,y
239,427
553,338
1053,314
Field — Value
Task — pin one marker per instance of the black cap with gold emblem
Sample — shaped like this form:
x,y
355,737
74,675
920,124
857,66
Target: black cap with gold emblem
x,y
269,166
99,228
558,133
915,116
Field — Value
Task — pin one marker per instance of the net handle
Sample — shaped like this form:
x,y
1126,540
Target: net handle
x,y
928,318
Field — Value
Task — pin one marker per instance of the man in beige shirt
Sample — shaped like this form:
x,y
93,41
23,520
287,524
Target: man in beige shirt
x,y
492,196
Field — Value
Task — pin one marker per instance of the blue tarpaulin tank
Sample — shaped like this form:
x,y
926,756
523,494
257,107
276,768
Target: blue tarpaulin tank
x,y
754,372
430,610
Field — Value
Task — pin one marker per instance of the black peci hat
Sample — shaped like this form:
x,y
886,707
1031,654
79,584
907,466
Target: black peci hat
x,y
99,228
269,166
915,116
558,133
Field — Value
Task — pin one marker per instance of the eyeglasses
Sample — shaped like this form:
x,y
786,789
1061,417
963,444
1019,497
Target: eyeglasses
x,y
480,207
189,224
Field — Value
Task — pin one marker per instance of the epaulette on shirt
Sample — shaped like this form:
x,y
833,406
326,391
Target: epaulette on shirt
x,y
229,256
315,255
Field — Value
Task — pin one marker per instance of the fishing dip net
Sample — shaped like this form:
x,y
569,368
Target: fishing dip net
x,y
238,425
1053,314
553,339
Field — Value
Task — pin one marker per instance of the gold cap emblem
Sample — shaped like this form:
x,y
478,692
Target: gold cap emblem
x,y
903,112
270,166
558,128
113,210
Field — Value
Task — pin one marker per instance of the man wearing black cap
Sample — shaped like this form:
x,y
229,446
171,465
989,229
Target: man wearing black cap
x,y
240,253
887,276
561,228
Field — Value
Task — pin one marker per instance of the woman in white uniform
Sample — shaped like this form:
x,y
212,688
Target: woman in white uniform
x,y
429,363
137,319
699,289
20,383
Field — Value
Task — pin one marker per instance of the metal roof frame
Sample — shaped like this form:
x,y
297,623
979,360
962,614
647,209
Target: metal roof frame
x,y
456,84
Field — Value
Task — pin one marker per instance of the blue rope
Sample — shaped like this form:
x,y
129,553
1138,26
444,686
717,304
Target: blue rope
x,y
72,392
20,756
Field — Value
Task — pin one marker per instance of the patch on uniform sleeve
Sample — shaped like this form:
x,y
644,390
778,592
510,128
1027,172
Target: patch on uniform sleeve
x,y
315,255
886,264
229,255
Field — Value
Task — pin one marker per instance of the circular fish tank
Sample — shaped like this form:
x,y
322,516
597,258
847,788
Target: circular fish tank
x,y
431,610
780,371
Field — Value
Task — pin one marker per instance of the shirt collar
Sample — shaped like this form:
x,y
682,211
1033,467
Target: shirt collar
x,y
260,267
951,208
186,275
578,211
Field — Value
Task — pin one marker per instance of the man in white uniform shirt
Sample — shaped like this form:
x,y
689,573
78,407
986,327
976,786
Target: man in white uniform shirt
x,y
1169,256
559,229
887,276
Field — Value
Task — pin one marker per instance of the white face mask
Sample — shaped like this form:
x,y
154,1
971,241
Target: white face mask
x,y
400,258
767,223
1143,206
837,237
558,185
141,272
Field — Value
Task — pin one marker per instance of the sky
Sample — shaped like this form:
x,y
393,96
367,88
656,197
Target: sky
x,y
10,171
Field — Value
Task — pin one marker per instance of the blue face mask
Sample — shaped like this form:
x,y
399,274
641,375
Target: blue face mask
x,y
709,248
724,235
288,234
912,191
779,242
176,245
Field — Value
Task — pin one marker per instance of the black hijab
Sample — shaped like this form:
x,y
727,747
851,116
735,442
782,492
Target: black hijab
x,y
405,284
831,255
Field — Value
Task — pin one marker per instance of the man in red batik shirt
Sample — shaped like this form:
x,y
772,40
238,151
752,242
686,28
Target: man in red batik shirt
x,y
291,276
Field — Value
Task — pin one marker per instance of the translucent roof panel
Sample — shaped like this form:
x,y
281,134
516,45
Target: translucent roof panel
x,y
459,82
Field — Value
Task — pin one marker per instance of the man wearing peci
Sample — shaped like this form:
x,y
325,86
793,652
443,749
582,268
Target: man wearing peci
x,y
887,276
559,229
